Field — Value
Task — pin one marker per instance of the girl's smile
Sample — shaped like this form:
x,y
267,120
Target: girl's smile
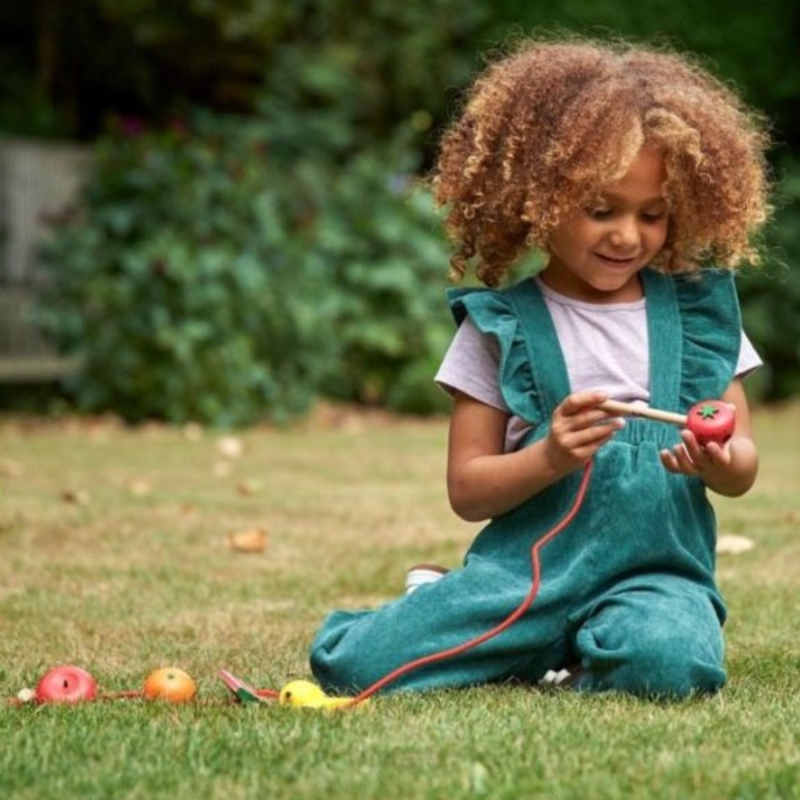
x,y
597,252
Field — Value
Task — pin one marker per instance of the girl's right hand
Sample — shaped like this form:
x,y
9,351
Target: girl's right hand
x,y
484,481
578,429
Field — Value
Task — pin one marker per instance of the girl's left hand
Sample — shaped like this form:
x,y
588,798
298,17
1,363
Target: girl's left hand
x,y
690,458
728,470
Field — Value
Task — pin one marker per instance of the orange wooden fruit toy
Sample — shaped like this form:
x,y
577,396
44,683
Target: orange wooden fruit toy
x,y
169,683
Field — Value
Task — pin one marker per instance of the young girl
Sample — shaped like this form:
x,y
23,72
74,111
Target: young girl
x,y
633,171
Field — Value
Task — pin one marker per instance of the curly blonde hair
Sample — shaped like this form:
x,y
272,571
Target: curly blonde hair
x,y
545,128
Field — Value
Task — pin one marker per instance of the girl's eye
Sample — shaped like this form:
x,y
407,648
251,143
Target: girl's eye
x,y
654,216
599,213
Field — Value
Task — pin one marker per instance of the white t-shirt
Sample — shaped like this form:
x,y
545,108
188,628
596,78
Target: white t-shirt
x,y
617,362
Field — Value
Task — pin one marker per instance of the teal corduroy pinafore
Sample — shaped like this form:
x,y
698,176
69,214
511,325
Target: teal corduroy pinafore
x,y
627,589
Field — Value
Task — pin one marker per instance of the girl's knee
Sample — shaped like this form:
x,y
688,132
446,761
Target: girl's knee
x,y
652,654
668,665
334,673
337,663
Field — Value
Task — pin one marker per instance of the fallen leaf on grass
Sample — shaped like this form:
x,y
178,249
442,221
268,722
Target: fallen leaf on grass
x,y
76,498
248,488
730,544
253,540
140,487
222,469
11,469
230,447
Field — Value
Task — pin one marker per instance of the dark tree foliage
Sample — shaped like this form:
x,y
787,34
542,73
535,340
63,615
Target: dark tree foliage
x,y
88,59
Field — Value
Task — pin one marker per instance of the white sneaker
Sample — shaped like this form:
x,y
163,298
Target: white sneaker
x,y
557,679
421,574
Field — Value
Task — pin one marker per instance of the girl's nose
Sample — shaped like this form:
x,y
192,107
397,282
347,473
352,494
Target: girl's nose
x,y
625,233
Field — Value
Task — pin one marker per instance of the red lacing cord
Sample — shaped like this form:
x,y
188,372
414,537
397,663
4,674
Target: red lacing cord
x,y
508,621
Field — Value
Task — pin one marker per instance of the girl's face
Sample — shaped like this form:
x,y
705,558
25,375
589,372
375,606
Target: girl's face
x,y
596,253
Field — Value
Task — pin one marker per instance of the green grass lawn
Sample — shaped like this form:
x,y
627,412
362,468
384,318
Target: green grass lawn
x,y
115,556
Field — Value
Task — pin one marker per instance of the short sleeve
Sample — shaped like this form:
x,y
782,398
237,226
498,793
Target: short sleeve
x,y
749,359
471,365
712,333
494,315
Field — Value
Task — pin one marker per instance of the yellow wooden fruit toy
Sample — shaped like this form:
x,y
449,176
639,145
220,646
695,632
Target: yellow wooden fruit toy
x,y
304,694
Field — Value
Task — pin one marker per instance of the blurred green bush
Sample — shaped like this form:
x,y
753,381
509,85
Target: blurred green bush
x,y
210,275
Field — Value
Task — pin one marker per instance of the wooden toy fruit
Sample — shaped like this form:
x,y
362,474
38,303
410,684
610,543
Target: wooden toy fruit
x,y
169,683
66,684
304,694
709,421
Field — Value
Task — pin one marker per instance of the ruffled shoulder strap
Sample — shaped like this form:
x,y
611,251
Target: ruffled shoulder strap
x,y
532,375
694,328
712,331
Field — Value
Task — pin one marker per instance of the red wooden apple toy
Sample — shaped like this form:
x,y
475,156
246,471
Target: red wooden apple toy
x,y
66,684
709,421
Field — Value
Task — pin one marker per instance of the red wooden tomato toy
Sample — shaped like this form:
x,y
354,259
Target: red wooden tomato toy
x,y
711,421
